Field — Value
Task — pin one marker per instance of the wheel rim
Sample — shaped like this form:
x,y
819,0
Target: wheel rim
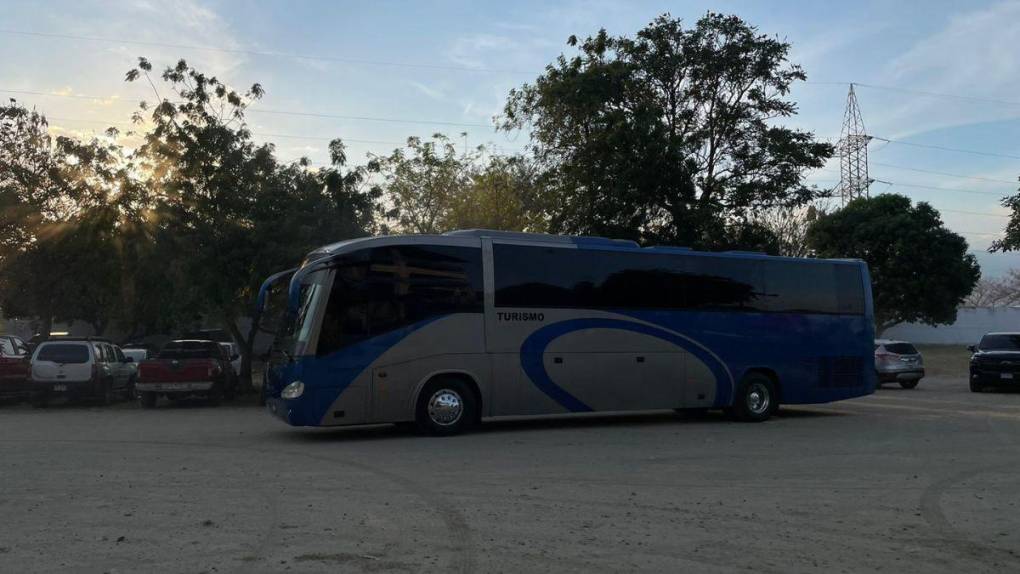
x,y
758,399
445,407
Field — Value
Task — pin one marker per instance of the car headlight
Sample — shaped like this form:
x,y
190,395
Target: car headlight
x,y
293,390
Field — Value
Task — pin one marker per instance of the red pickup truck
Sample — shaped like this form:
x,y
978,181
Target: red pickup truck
x,y
189,367
13,367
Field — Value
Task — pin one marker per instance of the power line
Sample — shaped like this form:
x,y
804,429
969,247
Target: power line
x,y
979,233
279,112
948,189
939,94
368,118
976,213
248,52
32,93
944,148
946,174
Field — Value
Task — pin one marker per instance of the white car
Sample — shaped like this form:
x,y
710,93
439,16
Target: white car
x,y
79,368
235,357
136,355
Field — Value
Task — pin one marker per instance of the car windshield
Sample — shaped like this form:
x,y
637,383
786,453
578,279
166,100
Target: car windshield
x,y
901,348
189,350
1000,342
64,353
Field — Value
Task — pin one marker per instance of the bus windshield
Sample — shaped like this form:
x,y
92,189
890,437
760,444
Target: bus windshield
x,y
296,337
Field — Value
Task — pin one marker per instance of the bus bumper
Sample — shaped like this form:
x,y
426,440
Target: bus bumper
x,y
288,412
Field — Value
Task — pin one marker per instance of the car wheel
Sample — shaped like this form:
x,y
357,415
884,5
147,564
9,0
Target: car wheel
x,y
975,388
129,390
147,400
910,384
445,407
755,399
215,396
106,396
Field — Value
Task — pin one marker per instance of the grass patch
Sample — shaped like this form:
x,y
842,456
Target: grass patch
x,y
945,360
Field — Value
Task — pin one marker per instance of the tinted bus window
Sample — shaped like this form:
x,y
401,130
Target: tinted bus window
x,y
385,288
580,278
849,289
724,283
528,276
800,287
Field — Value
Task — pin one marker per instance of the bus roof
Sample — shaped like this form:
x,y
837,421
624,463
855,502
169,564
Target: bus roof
x,y
581,242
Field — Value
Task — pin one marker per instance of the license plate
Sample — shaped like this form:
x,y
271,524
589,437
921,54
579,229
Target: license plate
x,y
1006,375
59,388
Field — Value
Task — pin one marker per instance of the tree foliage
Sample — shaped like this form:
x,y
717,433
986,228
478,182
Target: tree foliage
x,y
62,202
226,212
920,271
670,136
433,188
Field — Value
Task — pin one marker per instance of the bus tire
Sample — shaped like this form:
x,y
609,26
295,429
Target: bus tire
x,y
755,399
40,400
147,400
446,406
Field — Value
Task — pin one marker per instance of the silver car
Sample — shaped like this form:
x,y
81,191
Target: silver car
x,y
898,362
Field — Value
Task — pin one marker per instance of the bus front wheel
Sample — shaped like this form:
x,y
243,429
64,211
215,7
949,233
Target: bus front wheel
x,y
755,399
445,407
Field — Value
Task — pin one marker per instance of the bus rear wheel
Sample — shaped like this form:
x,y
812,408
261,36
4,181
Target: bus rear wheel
x,y
445,407
755,399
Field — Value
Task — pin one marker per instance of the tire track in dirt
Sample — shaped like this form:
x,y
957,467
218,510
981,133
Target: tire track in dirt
x,y
460,536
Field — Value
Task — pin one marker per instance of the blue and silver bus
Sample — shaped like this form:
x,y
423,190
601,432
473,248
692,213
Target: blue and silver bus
x,y
446,330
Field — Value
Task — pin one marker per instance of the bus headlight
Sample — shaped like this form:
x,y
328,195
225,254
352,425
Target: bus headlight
x,y
293,390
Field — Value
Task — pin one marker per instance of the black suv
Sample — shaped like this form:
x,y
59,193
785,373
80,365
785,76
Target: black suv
x,y
995,362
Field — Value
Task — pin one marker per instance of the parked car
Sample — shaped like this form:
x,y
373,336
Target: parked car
x,y
137,355
187,367
14,365
898,362
235,357
995,362
125,370
77,369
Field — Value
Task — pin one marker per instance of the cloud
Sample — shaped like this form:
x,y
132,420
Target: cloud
x,y
430,91
974,53
471,50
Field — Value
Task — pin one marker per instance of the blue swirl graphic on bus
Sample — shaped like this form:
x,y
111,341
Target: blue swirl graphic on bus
x,y
533,350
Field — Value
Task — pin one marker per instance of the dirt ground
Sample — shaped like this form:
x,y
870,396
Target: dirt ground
x,y
925,480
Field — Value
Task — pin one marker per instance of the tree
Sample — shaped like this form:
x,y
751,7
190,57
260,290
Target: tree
x,y
1011,239
422,181
920,271
788,226
506,194
227,214
62,201
670,136
1002,292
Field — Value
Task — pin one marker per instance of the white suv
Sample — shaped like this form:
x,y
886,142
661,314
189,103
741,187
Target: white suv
x,y
78,368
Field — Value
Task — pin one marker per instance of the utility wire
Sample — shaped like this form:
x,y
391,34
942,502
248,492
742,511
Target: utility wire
x,y
367,118
946,174
357,61
939,94
948,189
944,148
279,112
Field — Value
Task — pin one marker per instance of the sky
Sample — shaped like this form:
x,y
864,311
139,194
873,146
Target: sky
x,y
399,69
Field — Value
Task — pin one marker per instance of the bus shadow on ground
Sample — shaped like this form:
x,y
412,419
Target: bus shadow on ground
x,y
546,423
